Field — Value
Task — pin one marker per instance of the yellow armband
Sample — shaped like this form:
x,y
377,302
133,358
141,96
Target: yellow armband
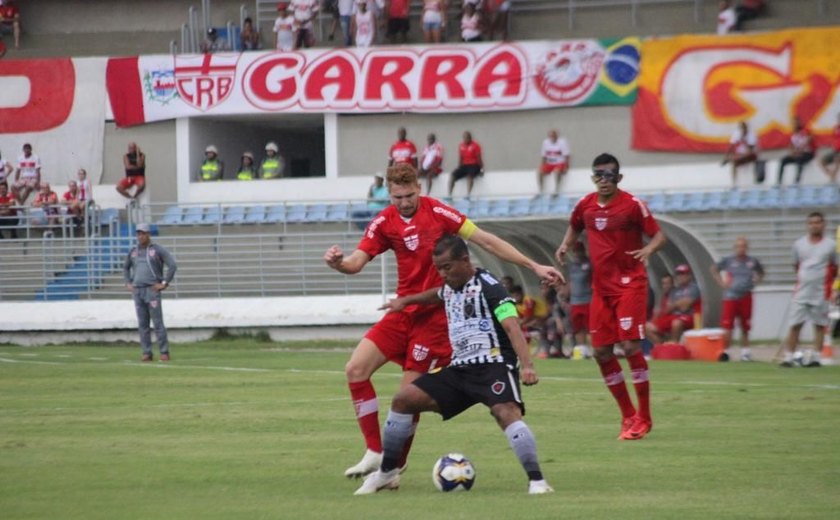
x,y
467,229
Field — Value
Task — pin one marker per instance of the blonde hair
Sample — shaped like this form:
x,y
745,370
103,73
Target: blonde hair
x,y
402,174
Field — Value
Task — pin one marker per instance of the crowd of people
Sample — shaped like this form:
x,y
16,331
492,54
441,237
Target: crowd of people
x,y
271,165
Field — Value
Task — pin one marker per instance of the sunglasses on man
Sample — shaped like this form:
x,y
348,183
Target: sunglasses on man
x,y
607,175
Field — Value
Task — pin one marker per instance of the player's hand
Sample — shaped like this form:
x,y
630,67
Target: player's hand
x,y
130,287
334,256
393,305
529,376
560,254
549,275
641,255
159,287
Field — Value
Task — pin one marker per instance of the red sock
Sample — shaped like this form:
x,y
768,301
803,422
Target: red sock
x,y
367,413
614,378
407,445
639,368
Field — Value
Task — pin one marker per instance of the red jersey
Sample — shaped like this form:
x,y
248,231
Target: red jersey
x,y
70,196
398,9
412,241
469,152
403,152
612,230
8,12
835,139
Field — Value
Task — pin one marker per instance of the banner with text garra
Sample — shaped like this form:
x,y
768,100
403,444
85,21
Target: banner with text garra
x,y
441,78
694,90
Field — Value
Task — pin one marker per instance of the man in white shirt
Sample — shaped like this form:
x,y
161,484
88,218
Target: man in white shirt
x,y
727,18
743,149
555,159
27,175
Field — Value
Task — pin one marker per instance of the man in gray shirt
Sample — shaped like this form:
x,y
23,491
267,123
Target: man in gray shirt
x,y
145,278
815,261
580,281
737,275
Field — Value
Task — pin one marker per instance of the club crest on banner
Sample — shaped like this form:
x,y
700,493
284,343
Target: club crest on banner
x,y
206,80
600,223
159,85
570,71
419,352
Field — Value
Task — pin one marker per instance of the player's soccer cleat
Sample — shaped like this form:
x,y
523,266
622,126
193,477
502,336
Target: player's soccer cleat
x,y
164,357
539,487
146,357
640,428
369,463
626,424
746,357
380,480
723,357
786,364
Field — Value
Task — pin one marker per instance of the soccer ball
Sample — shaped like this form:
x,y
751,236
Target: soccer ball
x,y
453,472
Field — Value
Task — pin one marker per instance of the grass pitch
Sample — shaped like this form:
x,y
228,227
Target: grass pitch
x,y
252,430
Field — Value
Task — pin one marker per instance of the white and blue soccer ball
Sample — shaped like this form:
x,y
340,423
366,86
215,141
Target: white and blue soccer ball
x,y
453,472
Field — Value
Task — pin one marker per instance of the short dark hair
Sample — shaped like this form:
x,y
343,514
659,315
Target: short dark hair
x,y
606,158
517,289
816,214
454,244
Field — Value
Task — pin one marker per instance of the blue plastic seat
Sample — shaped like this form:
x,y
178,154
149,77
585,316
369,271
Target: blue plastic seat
x,y
317,213
675,202
791,197
480,208
829,196
213,215
810,196
338,212
234,215
193,215
500,208
771,198
276,214
751,199
462,205
255,215
694,201
714,201
109,215
296,213
172,216
560,206
520,207
656,202
539,205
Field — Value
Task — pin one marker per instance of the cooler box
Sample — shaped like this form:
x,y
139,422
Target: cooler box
x,y
704,344
669,351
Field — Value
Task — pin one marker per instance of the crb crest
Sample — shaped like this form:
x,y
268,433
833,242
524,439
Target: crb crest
x,y
412,241
625,323
206,80
419,352
600,223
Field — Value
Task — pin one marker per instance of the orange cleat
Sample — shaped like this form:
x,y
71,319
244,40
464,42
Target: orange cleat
x,y
626,424
638,430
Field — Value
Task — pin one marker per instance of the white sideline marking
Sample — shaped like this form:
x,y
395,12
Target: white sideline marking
x,y
98,358
26,361
63,355
28,354
167,365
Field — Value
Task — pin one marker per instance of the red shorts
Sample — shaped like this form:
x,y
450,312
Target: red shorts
x,y
134,180
580,318
740,309
417,340
548,169
617,317
665,322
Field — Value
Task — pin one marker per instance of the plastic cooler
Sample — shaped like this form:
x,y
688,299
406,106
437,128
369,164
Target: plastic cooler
x,y
704,344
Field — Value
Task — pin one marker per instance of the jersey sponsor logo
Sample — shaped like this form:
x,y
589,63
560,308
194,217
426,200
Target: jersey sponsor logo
x,y
206,80
569,72
498,387
448,214
419,352
600,223
411,242
489,278
625,323
373,225
484,325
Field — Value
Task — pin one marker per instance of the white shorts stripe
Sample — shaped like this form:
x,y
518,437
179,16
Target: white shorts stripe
x,y
513,387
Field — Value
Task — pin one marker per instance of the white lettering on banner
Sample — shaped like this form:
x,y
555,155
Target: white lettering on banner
x,y
206,80
683,89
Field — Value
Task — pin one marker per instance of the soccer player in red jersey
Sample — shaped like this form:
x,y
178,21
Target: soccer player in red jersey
x,y
615,222
417,337
403,151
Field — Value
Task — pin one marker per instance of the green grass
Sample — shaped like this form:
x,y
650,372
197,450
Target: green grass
x,y
88,432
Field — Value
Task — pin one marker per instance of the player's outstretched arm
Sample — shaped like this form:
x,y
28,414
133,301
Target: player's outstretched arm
x,y
528,375
505,250
429,297
335,259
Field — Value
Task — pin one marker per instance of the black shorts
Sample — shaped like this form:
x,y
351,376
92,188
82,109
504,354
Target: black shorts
x,y
456,388
467,170
397,25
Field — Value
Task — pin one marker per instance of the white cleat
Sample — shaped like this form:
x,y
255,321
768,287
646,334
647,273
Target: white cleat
x,y
539,487
369,463
379,480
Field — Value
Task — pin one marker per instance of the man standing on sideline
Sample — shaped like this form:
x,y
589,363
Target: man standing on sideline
x,y
146,278
580,295
740,274
615,222
555,159
402,151
815,262
414,338
134,162
486,342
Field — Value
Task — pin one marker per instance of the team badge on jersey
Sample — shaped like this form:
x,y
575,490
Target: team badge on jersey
x,y
600,223
419,352
498,387
411,242
153,304
625,323
152,252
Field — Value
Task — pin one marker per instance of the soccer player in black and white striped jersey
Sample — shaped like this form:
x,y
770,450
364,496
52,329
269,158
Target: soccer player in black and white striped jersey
x,y
486,342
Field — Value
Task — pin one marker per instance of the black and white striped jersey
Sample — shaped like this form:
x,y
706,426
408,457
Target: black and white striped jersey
x,y
475,332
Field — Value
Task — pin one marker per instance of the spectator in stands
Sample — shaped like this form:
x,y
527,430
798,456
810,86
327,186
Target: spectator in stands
x,y
471,24
27,175
363,24
740,274
500,18
398,25
434,20
815,261
247,171
470,164
678,317
580,294
377,200
249,37
802,150
748,10
555,159
402,151
212,168
134,162
343,15
213,43
305,12
47,200
146,278
6,169
272,165
10,21
85,189
726,19
830,162
71,201
431,161
8,212
285,29
743,150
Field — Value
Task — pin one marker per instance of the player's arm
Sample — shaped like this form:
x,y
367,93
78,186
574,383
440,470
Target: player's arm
x,y
527,374
569,239
141,159
714,269
504,250
335,259
429,297
654,245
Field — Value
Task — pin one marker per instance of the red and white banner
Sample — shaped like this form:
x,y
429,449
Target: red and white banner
x,y
694,90
442,78
58,106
